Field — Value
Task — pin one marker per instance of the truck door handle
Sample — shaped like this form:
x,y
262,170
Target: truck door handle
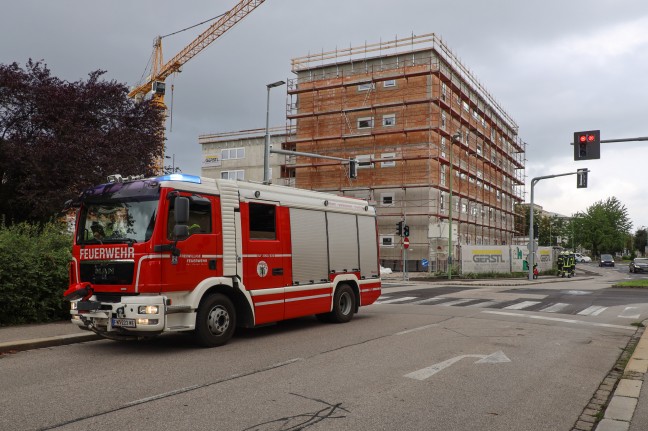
x,y
277,271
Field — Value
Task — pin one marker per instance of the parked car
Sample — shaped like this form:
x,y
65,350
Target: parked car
x,y
606,260
639,264
581,258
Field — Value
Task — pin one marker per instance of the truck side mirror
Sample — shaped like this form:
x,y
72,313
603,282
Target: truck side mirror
x,y
181,211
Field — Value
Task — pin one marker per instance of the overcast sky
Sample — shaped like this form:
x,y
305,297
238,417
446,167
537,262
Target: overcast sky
x,y
555,66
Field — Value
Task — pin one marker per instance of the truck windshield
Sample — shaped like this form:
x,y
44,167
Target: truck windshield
x,y
112,222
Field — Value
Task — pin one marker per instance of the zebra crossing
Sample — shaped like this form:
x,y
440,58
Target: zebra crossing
x,y
539,306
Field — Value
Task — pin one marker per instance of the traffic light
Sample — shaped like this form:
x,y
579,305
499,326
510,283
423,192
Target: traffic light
x,y
399,228
536,231
353,168
587,145
406,230
581,178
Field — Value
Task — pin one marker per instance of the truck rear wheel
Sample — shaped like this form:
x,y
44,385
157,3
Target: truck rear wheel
x,y
344,305
215,321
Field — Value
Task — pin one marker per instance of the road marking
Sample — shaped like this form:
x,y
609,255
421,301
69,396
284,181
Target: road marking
x,y
426,301
485,304
594,310
555,308
420,328
627,310
577,292
556,319
457,302
521,305
425,373
391,301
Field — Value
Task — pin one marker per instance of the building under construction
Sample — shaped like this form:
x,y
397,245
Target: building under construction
x,y
413,116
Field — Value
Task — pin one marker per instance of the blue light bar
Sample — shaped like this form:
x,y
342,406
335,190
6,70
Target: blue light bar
x,y
180,177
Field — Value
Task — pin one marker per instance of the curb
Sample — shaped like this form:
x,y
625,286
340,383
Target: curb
x,y
619,412
37,343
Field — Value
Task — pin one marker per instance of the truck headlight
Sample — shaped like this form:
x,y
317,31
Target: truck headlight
x,y
73,305
148,309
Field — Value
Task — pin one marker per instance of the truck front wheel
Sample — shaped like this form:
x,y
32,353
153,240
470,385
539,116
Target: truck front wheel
x,y
215,321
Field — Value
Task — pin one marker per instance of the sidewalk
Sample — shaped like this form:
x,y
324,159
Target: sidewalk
x,y
27,337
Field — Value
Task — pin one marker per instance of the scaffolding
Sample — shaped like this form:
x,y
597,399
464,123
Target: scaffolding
x,y
394,106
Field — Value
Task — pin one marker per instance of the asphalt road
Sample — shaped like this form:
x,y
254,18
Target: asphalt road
x,y
397,365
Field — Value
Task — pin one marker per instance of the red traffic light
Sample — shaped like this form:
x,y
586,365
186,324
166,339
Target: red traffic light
x,y
586,138
587,145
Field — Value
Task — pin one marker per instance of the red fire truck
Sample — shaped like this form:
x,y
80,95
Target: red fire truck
x,y
189,254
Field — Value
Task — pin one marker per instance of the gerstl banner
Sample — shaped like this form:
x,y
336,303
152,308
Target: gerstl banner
x,y
479,259
519,254
501,259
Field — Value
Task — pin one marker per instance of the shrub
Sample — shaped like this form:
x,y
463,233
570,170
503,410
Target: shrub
x,y
33,273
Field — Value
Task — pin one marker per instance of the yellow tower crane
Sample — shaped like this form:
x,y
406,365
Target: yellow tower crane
x,y
160,70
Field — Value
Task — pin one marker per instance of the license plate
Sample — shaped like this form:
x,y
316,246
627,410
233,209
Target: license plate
x,y
123,323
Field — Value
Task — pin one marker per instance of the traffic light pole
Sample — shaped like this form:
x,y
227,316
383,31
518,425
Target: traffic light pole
x,y
531,246
405,275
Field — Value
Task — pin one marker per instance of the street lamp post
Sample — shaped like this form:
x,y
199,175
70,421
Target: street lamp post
x,y
172,162
266,155
456,136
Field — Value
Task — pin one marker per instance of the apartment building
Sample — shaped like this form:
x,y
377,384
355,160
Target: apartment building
x,y
432,144
238,155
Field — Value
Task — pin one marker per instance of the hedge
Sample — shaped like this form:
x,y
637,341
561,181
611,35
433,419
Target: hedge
x,y
33,273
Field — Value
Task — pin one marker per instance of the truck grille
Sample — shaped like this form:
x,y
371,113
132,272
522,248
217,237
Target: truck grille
x,y
107,272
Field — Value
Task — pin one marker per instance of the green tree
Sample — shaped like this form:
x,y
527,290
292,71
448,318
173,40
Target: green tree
x,y
604,227
58,138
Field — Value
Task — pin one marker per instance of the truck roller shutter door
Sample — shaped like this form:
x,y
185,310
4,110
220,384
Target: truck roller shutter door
x,y
368,247
343,242
308,248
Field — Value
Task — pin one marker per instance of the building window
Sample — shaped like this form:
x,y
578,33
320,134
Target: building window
x,y
387,199
442,202
389,120
443,120
389,83
389,164
364,161
443,175
366,87
443,146
233,175
365,123
387,241
444,91
232,153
